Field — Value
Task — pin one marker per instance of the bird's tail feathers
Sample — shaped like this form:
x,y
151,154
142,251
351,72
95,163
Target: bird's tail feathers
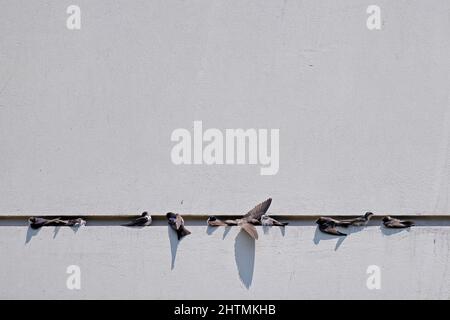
x,y
183,232
129,224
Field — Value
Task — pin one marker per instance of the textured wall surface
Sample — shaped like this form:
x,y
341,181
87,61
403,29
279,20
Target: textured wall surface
x,y
86,118
301,262
86,115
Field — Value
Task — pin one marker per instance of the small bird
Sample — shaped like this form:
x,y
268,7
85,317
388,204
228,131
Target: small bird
x,y
329,227
144,220
359,221
329,220
251,218
268,221
390,222
36,222
176,222
78,222
213,221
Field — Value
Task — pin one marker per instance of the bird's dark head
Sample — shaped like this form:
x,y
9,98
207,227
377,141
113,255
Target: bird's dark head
x,y
145,213
32,220
170,215
386,219
368,215
318,221
80,222
212,218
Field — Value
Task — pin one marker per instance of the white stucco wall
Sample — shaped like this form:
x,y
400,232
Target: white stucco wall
x,y
86,116
119,262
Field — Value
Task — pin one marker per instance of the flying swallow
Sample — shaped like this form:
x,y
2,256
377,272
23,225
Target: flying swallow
x,y
251,218
268,221
359,221
213,221
36,222
329,227
176,222
390,222
144,220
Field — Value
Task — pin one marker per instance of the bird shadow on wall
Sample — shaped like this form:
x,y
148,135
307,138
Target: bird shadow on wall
x,y
58,228
244,254
30,234
319,236
225,232
173,238
266,229
391,231
56,231
210,230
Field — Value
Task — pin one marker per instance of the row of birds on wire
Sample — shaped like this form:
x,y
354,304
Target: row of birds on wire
x,y
256,216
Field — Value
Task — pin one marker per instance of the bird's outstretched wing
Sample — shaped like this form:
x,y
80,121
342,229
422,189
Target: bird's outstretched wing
x,y
259,210
250,229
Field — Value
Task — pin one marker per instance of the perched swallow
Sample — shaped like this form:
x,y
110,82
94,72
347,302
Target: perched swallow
x,y
144,220
36,222
329,227
176,222
251,218
213,221
332,221
268,221
359,221
78,222
390,222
